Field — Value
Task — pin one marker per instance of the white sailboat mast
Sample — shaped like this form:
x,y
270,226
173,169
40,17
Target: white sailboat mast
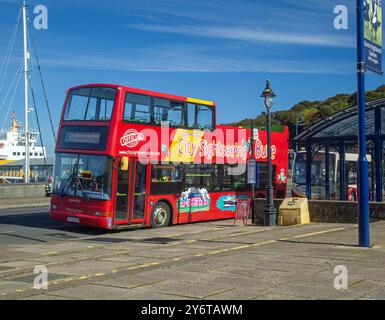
x,y
26,56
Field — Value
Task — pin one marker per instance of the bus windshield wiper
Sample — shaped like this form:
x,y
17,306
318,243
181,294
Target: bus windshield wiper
x,y
67,182
83,189
74,178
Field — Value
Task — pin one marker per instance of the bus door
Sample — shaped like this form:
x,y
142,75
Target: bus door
x,y
138,191
122,191
131,191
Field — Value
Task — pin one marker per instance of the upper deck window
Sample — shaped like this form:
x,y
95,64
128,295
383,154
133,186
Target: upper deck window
x,y
167,110
200,117
145,109
92,104
137,108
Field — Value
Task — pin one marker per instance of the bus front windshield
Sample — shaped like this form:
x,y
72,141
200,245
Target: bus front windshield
x,y
82,175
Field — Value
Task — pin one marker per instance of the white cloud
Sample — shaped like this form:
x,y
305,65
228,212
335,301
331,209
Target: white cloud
x,y
251,35
187,59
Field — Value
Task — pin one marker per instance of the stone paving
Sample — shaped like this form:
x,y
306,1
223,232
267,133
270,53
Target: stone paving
x,y
24,203
212,260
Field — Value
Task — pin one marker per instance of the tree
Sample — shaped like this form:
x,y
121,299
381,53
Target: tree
x,y
312,111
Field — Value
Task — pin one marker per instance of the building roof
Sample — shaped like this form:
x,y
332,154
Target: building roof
x,y
343,125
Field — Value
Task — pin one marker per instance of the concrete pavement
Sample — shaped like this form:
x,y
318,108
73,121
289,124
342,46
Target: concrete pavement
x,y
212,260
24,203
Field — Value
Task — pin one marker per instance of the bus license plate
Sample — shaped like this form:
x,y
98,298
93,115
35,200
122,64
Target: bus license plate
x,y
73,219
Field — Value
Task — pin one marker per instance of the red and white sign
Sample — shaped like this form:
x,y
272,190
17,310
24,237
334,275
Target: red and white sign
x,y
131,138
242,210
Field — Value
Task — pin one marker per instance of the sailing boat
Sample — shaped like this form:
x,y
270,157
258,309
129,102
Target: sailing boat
x,y
14,143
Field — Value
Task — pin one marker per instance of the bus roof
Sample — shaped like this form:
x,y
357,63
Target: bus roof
x,y
148,92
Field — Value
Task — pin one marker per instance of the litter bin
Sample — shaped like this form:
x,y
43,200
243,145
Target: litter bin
x,y
293,211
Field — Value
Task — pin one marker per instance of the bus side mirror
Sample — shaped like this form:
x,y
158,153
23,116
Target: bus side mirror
x,y
124,164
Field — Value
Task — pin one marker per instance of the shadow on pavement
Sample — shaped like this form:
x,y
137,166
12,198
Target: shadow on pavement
x,y
42,221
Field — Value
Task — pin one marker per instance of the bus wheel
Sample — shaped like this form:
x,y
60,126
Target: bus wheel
x,y
160,216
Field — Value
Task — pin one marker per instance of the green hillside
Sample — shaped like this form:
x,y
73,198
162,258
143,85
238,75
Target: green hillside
x,y
311,111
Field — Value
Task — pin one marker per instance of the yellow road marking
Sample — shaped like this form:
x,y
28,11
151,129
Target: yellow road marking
x,y
83,277
262,243
59,281
317,233
219,251
99,274
240,247
243,233
120,252
49,253
172,235
173,244
134,267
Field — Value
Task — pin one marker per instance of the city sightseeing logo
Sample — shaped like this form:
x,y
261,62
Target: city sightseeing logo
x,y
131,138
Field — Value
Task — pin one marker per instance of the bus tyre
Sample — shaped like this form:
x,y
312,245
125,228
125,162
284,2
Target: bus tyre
x,y
160,215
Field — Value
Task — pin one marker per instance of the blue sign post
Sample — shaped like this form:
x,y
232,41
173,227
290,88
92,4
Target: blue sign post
x,y
363,187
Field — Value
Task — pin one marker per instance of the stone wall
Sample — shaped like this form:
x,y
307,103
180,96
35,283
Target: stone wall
x,y
21,190
327,211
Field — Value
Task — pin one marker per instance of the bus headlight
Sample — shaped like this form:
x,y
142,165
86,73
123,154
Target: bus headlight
x,y
103,214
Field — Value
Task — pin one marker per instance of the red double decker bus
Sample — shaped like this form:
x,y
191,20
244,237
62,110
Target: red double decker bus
x,y
128,156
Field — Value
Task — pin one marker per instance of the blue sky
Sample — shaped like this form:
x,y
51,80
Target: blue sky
x,y
215,49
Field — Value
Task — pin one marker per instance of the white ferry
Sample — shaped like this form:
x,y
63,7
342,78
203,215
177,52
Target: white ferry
x,y
12,144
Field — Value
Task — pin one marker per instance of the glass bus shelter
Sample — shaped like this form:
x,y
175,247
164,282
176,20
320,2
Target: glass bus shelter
x,y
329,154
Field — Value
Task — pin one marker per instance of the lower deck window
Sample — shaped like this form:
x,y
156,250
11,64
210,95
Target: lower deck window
x,y
173,179
166,179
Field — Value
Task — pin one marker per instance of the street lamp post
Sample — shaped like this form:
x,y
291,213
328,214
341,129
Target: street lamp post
x,y
253,184
270,211
299,121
